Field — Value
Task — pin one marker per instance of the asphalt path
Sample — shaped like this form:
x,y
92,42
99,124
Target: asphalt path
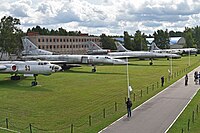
x,y
158,113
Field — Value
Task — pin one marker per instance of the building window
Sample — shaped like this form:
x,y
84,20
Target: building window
x,y
60,46
38,39
42,39
47,47
47,40
57,40
63,40
39,47
42,47
63,46
67,46
50,40
54,46
60,39
50,46
54,40
57,46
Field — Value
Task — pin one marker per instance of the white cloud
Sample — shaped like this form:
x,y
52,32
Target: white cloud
x,y
104,16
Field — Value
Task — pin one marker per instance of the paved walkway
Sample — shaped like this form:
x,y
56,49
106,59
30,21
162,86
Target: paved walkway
x,y
158,114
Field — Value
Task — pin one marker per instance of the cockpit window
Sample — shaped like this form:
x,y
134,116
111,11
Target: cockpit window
x,y
107,57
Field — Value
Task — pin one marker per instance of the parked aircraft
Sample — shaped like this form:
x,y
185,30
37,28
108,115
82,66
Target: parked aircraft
x,y
181,51
28,68
140,54
68,61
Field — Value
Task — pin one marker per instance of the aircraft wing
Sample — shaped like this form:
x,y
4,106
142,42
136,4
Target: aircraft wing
x,y
64,64
121,57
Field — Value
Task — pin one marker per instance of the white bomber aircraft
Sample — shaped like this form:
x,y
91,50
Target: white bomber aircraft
x,y
70,60
123,52
28,68
180,51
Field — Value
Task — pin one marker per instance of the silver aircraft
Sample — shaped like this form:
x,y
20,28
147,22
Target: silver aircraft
x,y
123,53
28,68
180,51
68,61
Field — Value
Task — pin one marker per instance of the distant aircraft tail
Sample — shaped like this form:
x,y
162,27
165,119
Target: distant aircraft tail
x,y
94,49
154,47
31,49
120,47
93,46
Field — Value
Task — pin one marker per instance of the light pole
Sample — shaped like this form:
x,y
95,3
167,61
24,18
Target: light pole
x,y
189,57
127,76
171,66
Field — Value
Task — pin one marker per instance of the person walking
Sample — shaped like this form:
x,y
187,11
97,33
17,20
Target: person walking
x,y
162,80
199,78
195,77
186,80
129,105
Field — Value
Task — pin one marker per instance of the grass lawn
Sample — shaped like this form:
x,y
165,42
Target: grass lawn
x,y
65,101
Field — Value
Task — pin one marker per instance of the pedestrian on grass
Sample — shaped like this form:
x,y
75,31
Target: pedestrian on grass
x,y
162,80
186,80
129,105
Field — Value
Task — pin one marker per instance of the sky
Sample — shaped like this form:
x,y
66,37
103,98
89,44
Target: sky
x,y
111,17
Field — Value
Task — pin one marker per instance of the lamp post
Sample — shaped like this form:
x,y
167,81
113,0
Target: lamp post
x,y
189,57
171,66
127,76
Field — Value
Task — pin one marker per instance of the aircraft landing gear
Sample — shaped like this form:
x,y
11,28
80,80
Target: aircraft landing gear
x,y
151,63
15,77
94,69
34,83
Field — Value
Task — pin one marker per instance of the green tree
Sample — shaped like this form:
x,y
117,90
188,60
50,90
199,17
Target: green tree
x,y
139,42
10,35
107,42
161,38
188,37
127,41
196,36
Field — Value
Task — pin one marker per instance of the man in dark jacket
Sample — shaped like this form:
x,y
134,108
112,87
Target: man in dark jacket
x,y
129,105
162,80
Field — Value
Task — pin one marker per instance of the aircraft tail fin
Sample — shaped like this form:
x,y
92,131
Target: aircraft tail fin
x,y
93,46
154,47
31,49
120,47
28,45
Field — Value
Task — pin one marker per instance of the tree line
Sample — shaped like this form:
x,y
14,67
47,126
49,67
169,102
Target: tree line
x,y
10,37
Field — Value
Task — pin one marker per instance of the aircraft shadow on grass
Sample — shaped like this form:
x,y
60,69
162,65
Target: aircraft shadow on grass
x,y
7,83
88,72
